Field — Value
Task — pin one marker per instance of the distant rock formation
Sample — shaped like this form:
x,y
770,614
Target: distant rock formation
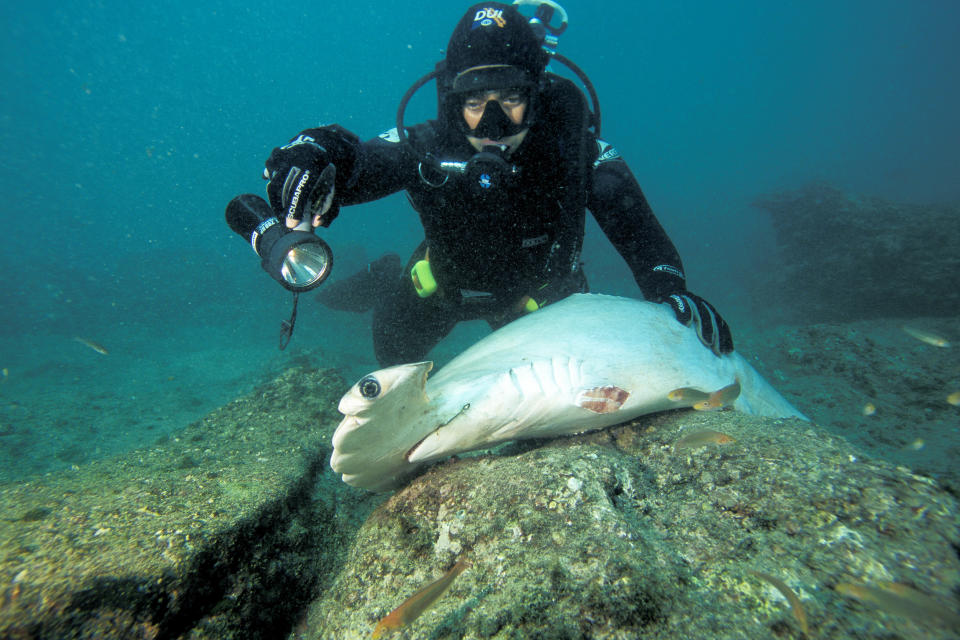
x,y
843,257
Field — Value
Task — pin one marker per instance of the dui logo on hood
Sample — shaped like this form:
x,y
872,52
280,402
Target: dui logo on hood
x,y
488,16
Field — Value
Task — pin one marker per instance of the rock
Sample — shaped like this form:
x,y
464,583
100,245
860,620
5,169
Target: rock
x,y
237,528
225,530
832,370
841,257
616,535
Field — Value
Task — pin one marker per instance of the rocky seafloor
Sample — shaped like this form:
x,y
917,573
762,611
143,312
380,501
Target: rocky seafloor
x,y
618,535
236,528
222,531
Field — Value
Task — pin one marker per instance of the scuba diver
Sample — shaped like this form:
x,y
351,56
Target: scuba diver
x,y
501,180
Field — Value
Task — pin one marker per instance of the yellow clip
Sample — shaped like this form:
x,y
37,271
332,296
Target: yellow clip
x,y
423,280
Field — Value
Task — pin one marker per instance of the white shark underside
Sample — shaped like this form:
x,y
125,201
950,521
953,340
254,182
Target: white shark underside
x,y
584,363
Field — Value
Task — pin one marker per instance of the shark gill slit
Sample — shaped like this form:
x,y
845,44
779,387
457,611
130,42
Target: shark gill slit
x,y
560,368
515,381
537,378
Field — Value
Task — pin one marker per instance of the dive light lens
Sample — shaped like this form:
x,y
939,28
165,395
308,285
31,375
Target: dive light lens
x,y
298,260
306,265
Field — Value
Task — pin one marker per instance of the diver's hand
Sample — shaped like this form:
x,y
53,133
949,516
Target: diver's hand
x,y
301,181
691,309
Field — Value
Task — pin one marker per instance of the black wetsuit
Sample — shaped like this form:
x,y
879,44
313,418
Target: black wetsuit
x,y
490,248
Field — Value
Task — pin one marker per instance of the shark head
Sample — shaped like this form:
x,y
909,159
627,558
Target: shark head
x,y
384,416
386,391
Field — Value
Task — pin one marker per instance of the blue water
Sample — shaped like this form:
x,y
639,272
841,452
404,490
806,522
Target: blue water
x,y
127,127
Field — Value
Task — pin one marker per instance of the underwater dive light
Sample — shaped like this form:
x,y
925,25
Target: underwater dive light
x,y
296,258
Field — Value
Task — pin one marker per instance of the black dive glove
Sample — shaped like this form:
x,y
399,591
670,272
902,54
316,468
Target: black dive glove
x,y
712,329
301,181
306,172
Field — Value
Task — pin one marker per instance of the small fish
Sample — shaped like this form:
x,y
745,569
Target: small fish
x,y
702,439
688,394
916,445
96,346
869,409
929,337
791,597
901,600
720,399
418,602
954,398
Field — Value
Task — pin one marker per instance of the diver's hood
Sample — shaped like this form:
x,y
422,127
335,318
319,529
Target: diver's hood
x,y
493,47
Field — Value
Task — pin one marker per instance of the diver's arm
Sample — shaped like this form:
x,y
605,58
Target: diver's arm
x,y
383,166
330,166
619,206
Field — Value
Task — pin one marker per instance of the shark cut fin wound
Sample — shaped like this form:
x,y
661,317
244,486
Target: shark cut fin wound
x,y
602,399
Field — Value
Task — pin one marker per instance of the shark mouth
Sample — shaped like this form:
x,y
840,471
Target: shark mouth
x,y
412,450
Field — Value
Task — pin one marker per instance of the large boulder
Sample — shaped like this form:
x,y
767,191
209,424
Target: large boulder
x,y
618,534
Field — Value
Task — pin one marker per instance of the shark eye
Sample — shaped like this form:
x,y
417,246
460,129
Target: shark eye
x,y
369,387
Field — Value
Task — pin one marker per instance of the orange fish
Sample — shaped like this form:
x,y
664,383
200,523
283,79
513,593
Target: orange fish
x,y
791,597
96,346
702,439
688,394
418,602
901,600
869,409
720,399
929,337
